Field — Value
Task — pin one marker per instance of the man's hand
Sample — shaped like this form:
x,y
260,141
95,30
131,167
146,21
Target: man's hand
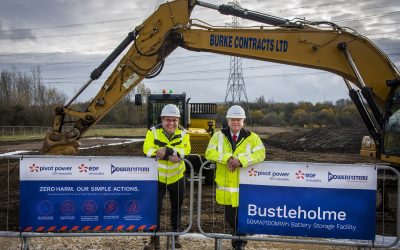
x,y
233,164
174,158
160,153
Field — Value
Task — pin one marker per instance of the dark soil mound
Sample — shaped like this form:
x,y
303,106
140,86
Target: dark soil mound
x,y
338,140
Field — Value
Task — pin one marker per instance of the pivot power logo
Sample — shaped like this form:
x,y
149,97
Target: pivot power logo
x,y
347,177
252,172
273,175
34,168
55,170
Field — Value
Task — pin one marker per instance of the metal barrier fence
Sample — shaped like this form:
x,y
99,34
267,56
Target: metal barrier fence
x,y
218,218
23,130
29,130
212,220
9,179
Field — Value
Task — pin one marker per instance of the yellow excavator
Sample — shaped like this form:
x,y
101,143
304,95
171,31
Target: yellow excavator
x,y
372,79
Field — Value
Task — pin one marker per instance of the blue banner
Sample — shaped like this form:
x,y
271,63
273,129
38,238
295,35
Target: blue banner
x,y
60,194
291,199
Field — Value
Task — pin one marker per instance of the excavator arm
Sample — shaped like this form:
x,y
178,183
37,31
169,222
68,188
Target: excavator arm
x,y
319,45
145,58
319,49
351,56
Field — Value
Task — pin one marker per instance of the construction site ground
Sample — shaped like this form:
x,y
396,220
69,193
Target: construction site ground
x,y
326,145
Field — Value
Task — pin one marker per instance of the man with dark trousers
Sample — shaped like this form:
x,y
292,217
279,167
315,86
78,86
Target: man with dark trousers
x,y
233,148
169,143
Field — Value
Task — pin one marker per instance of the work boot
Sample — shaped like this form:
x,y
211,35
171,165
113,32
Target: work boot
x,y
154,244
239,248
177,243
239,244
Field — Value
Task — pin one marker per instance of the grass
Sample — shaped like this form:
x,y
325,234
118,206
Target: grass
x,y
103,132
116,132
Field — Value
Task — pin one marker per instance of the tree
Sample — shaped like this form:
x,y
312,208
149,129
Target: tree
x,y
301,117
25,100
260,100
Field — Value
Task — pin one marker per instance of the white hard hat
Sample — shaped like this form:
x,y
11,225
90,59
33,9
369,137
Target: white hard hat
x,y
236,112
170,110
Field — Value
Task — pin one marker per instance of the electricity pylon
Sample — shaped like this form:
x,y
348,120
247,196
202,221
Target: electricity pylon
x,y
236,87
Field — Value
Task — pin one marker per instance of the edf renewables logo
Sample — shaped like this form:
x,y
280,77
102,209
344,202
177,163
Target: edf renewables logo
x,y
306,176
90,170
300,175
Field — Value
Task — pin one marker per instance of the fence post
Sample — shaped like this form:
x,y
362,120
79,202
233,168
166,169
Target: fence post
x,y
217,244
25,243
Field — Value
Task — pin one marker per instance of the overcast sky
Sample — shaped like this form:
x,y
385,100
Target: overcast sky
x,y
70,38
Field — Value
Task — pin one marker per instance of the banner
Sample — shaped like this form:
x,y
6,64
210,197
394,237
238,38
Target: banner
x,y
88,193
309,200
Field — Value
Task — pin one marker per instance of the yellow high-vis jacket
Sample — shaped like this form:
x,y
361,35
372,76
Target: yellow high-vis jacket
x,y
168,172
249,150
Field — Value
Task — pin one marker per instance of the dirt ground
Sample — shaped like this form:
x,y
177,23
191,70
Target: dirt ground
x,y
312,145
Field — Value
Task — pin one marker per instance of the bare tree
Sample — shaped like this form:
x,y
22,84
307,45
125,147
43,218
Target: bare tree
x,y
24,100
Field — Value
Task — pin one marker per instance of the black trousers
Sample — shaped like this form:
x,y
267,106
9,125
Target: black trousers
x,y
176,192
231,217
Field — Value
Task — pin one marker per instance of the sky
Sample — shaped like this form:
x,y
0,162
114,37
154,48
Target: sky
x,y
67,39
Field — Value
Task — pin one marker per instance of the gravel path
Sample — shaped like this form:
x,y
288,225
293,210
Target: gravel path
x,y
189,241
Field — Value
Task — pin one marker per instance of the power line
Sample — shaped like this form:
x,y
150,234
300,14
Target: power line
x,y
73,25
367,17
142,17
214,78
325,4
65,35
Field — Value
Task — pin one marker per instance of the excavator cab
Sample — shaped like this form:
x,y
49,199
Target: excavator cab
x,y
198,118
156,102
391,138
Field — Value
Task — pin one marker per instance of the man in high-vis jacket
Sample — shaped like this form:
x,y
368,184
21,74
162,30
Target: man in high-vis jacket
x,y
233,148
168,143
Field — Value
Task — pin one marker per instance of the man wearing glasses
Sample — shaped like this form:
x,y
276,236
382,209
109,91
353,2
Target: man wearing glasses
x,y
169,143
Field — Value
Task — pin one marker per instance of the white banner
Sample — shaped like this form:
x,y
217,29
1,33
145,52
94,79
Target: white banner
x,y
318,175
88,168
